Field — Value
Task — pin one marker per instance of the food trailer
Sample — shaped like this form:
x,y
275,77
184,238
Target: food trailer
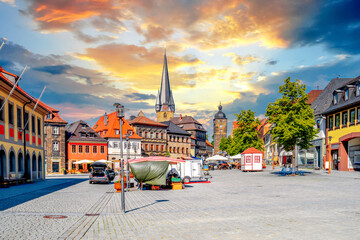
x,y
251,160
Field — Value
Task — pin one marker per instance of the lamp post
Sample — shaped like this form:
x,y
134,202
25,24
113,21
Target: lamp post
x,y
120,114
127,160
329,158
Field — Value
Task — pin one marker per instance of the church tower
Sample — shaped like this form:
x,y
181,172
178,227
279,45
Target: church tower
x,y
220,128
165,106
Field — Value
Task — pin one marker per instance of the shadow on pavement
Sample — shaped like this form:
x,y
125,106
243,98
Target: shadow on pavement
x,y
147,205
21,198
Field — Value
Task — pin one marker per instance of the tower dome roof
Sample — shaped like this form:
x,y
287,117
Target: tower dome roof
x,y
220,114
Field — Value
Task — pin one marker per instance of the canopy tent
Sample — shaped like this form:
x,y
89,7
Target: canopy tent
x,y
156,159
83,161
217,158
104,161
238,156
152,170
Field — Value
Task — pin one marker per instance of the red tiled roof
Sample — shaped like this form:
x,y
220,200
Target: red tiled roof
x,y
55,115
111,126
141,120
209,144
251,150
313,94
19,89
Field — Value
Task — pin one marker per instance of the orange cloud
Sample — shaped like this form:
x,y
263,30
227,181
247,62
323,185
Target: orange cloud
x,y
139,66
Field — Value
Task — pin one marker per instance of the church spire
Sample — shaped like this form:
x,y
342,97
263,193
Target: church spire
x,y
165,100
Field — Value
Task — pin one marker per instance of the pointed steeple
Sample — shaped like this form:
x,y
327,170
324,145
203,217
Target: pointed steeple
x,y
165,100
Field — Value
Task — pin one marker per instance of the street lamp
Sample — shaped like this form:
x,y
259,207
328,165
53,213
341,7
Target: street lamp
x,y
329,158
120,111
127,165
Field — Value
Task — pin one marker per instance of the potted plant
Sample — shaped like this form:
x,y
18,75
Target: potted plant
x,y
64,171
117,184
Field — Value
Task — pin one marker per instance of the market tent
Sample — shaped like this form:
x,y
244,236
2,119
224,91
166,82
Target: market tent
x,y
152,170
217,158
238,156
104,161
83,161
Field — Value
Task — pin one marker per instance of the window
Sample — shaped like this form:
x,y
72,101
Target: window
x,y
152,147
55,130
12,162
335,98
346,94
117,131
352,116
157,135
83,135
162,148
87,149
162,136
157,148
170,148
182,139
2,111
80,148
331,122
344,118
26,119
11,113
73,148
39,126
116,145
337,120
33,124
19,117
102,149
104,132
49,116
151,135
55,146
130,132
146,147
83,126
94,149
92,135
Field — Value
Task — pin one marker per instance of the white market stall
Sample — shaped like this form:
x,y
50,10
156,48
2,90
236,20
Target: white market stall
x,y
189,169
216,158
251,160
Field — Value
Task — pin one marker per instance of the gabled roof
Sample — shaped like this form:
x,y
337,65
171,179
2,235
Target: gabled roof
x,y
312,95
20,90
111,125
353,100
324,100
75,129
55,116
174,129
141,120
188,123
251,150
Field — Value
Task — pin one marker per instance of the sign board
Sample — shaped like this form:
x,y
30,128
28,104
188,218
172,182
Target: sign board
x,y
117,166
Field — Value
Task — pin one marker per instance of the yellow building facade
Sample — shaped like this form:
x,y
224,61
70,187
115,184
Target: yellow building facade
x,y
21,154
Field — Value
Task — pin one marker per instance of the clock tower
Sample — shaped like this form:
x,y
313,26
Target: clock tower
x,y
165,106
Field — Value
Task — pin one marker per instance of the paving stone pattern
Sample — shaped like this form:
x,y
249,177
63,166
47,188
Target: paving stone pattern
x,y
236,205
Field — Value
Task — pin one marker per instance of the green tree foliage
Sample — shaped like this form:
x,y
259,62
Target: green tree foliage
x,y
245,136
292,116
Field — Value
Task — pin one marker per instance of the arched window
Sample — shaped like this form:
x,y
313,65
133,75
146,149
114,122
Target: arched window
x,y
34,163
178,150
12,162
182,150
39,164
20,162
170,148
187,151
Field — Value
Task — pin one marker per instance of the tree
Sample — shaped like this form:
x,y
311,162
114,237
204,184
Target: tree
x,y
293,118
244,136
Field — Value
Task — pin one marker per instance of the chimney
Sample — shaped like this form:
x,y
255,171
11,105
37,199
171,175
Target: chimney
x,y
105,117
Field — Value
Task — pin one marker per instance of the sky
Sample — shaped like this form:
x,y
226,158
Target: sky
x,y
91,54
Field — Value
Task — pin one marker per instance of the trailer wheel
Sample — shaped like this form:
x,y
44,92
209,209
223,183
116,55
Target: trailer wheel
x,y
186,179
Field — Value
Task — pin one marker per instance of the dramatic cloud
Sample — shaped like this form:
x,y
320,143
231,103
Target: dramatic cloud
x,y
54,70
140,96
336,24
140,67
239,60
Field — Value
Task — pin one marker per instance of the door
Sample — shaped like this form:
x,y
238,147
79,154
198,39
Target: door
x,y
196,169
248,162
318,159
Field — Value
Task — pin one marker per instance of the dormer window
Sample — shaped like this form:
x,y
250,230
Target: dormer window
x,y
335,98
49,116
117,131
83,126
92,135
346,94
83,135
96,126
130,132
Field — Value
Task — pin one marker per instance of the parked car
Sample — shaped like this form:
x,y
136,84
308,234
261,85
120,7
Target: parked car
x,y
111,174
99,176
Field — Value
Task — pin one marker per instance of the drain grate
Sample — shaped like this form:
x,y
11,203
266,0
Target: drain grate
x,y
55,216
92,214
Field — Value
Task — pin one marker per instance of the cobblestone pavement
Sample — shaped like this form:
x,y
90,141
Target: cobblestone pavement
x,y
236,205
